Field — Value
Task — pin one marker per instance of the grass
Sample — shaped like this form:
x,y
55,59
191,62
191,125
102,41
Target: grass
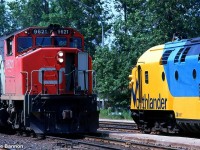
x,y
105,114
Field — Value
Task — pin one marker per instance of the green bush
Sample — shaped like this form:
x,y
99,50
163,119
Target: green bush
x,y
103,113
106,114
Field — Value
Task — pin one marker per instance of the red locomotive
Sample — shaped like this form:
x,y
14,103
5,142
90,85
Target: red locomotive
x,y
47,81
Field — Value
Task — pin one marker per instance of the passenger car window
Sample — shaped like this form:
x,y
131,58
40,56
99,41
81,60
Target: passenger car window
x,y
146,77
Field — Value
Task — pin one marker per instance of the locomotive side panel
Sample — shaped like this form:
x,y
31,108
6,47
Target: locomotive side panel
x,y
151,101
150,88
182,71
19,78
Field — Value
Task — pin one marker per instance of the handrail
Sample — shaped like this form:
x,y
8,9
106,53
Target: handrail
x,y
32,80
84,71
70,72
93,71
43,81
66,74
74,77
25,72
31,89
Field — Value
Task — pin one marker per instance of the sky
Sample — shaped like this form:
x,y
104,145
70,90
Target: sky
x,y
110,37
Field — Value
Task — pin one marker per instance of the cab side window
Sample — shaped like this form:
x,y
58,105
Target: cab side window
x,y
9,46
76,42
23,43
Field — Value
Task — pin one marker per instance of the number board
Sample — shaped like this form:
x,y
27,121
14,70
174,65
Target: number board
x,y
40,31
46,31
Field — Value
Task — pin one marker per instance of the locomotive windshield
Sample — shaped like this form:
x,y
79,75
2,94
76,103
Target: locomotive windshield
x,y
47,41
24,43
47,37
60,41
43,41
76,43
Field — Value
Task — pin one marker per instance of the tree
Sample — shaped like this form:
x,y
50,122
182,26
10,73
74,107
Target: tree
x,y
147,23
26,13
111,70
3,19
175,16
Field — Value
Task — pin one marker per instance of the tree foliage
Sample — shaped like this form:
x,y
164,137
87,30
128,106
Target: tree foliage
x,y
25,13
142,24
112,69
3,19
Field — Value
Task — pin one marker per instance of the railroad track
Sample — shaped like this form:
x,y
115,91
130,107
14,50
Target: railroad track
x,y
111,125
94,142
85,143
103,140
97,141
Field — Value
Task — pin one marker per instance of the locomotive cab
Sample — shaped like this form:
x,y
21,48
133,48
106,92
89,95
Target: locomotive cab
x,y
49,81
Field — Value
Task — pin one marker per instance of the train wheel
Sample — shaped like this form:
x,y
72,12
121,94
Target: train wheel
x,y
33,135
40,136
18,133
3,117
25,134
147,130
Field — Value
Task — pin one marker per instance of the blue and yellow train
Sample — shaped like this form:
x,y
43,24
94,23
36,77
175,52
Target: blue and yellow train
x,y
165,88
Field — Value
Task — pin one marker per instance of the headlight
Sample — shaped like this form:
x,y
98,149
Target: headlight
x,y
60,60
60,54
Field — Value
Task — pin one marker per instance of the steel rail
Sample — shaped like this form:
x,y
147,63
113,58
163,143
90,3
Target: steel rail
x,y
109,143
118,125
79,142
131,143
